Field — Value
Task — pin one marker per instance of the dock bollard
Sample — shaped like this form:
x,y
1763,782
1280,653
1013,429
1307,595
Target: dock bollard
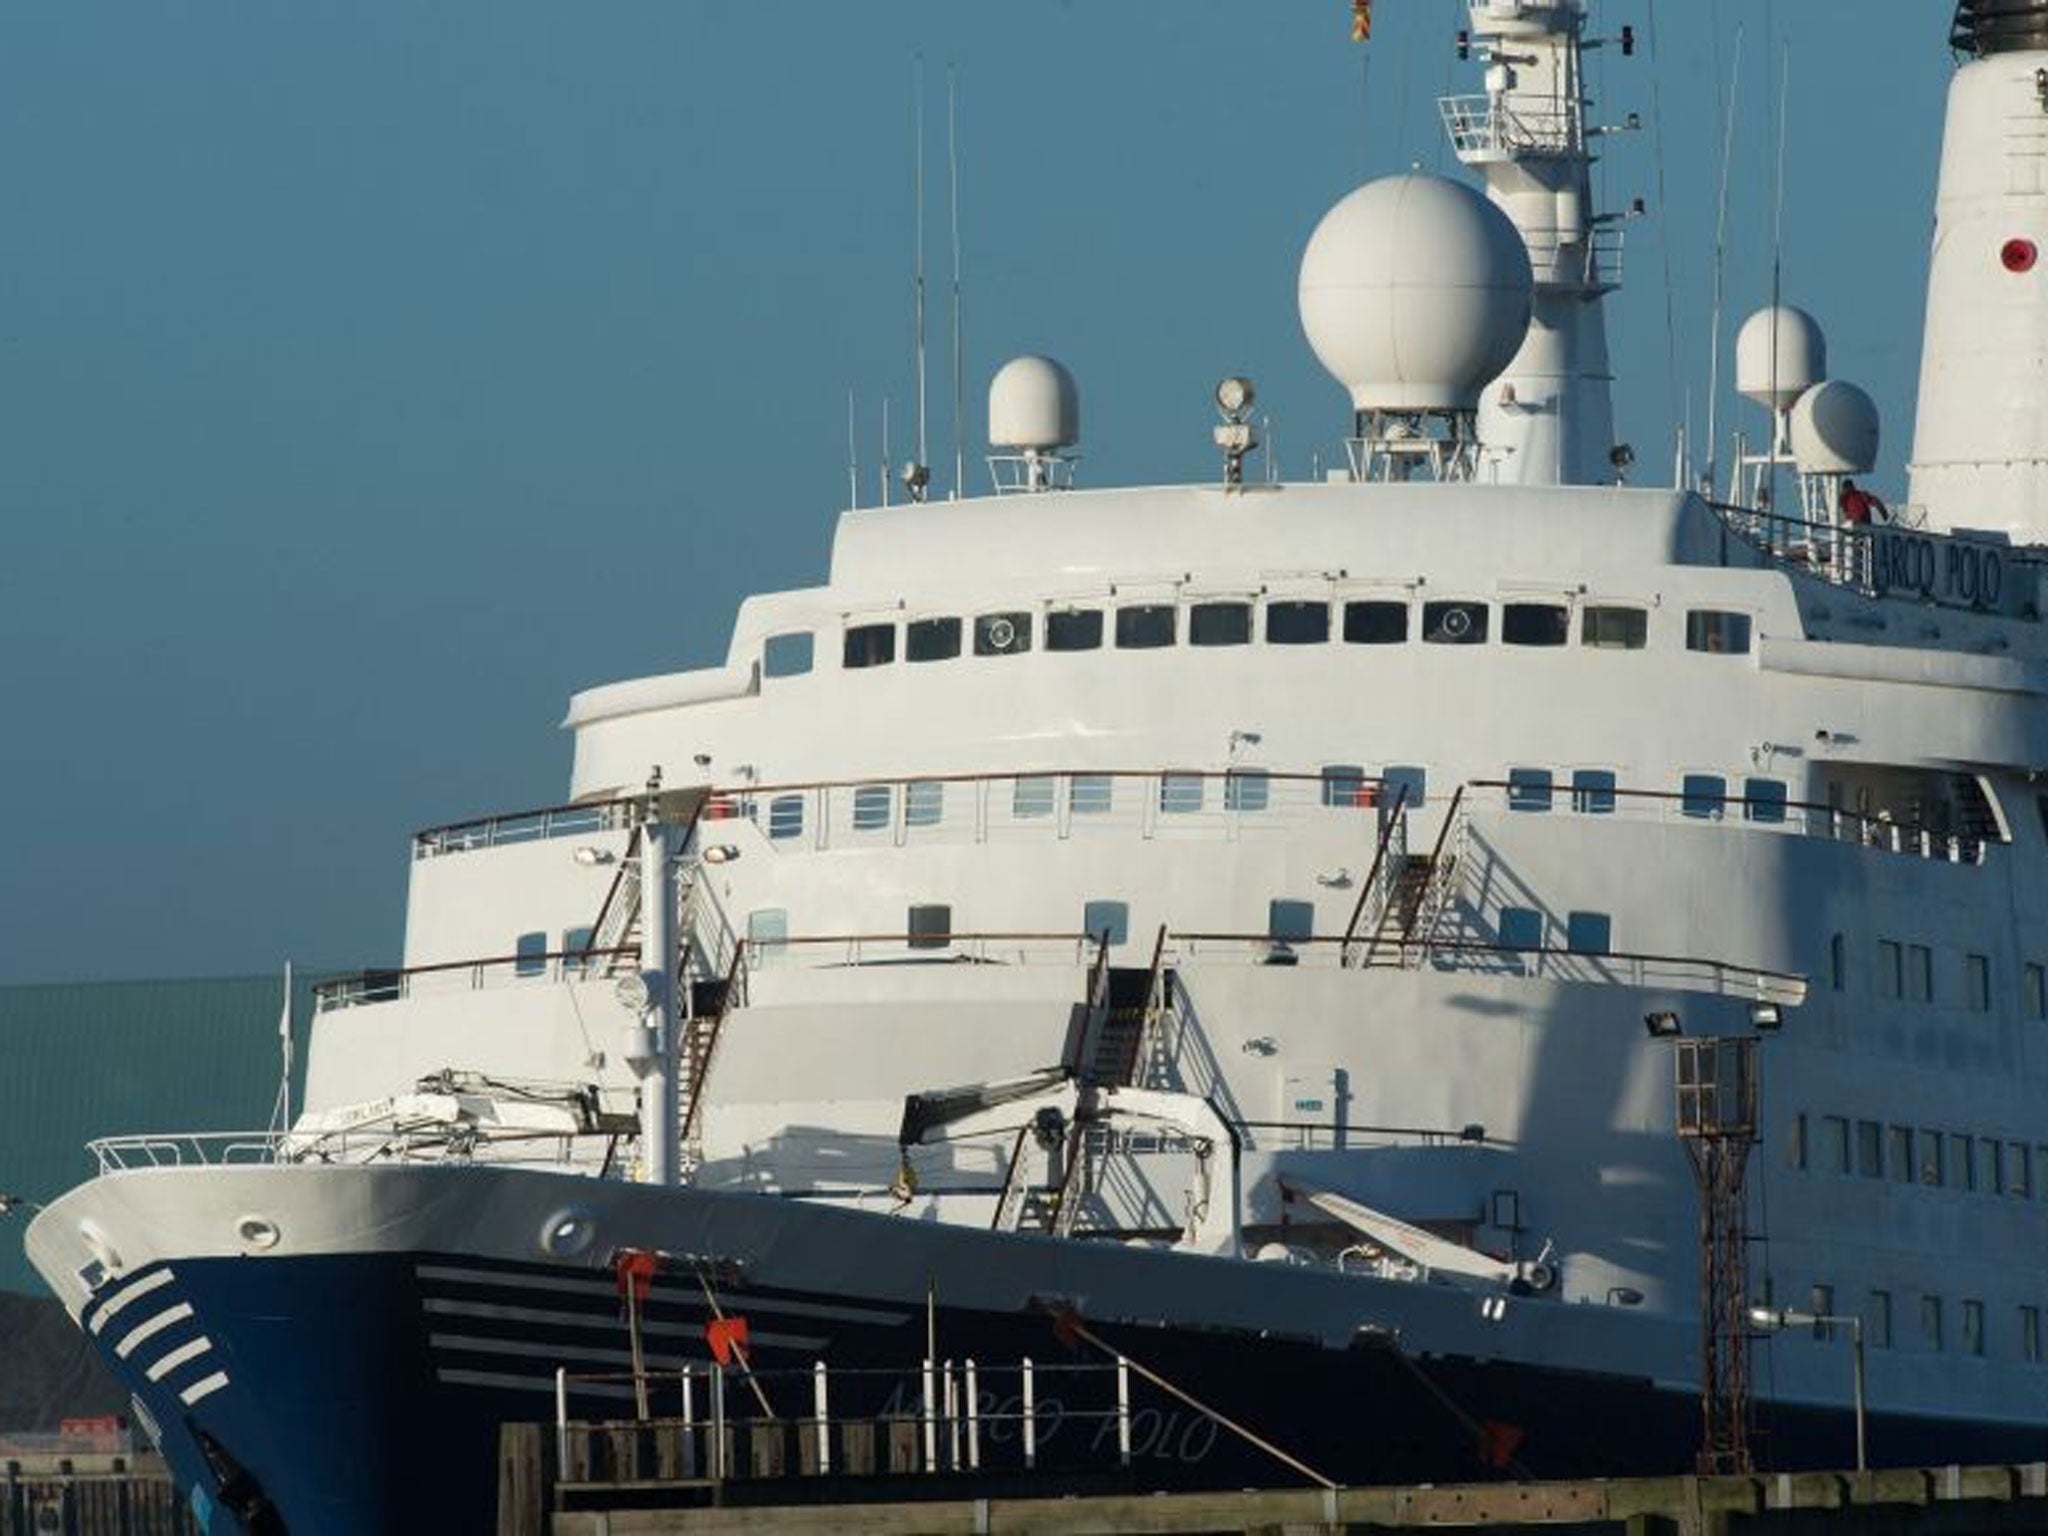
x,y
818,1402
973,1391
1123,1410
1030,1419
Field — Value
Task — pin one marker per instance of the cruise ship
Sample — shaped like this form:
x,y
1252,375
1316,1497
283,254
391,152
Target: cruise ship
x,y
1470,965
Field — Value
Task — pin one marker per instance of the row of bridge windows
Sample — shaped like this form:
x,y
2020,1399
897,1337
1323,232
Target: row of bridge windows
x,y
1277,621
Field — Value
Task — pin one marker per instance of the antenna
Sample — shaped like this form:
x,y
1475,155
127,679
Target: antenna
x,y
953,218
1720,262
885,450
917,281
852,454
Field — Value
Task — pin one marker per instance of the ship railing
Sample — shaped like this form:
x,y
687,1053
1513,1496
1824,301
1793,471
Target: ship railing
x,y
1332,1135
1687,973
184,1149
358,988
1163,804
824,951
1760,813
377,1141
1482,125
587,819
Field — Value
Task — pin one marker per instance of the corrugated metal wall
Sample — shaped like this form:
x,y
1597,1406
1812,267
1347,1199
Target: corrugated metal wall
x,y
104,1058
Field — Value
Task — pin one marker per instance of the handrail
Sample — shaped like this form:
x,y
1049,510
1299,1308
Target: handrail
x,y
425,837
702,1069
627,861
1436,854
750,791
342,982
1669,796
1372,875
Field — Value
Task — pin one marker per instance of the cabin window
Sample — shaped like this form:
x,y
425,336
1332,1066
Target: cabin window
x,y
1002,634
930,926
1763,800
1717,632
1412,784
787,655
870,645
1454,623
1090,794
1109,921
767,927
1962,1159
1877,1319
1919,973
1589,933
530,954
1899,1150
1033,797
1297,623
2030,1335
1930,1146
1820,1301
1375,623
1344,786
1795,1144
1705,794
1977,982
1521,928
1593,791
1869,1149
1180,793
1838,963
1890,972
1290,922
576,942
924,803
2018,1180
931,640
1930,1321
1529,789
1973,1327
1246,789
1147,627
2034,991
1991,1166
1534,623
786,817
1220,624
871,806
1615,629
1074,629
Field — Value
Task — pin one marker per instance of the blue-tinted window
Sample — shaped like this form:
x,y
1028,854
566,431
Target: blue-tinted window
x,y
530,954
1344,785
1529,789
924,803
1220,624
768,926
1414,780
1296,623
871,807
1589,933
1593,791
575,941
1705,794
931,640
1615,629
931,927
1521,928
787,655
786,816
870,645
1107,917
1290,921
1180,793
1146,627
1090,794
1763,799
1712,630
1246,789
1075,629
1033,797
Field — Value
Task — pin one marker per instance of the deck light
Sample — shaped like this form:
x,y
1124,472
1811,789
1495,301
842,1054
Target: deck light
x,y
1767,1018
1662,1026
10,1203
720,853
593,856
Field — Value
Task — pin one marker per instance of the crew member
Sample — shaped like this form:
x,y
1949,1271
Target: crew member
x,y
1859,506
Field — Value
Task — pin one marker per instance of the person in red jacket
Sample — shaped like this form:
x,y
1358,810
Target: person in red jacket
x,y
1858,506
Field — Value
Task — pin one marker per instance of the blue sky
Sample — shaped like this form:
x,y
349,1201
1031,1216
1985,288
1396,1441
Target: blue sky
x,y
371,377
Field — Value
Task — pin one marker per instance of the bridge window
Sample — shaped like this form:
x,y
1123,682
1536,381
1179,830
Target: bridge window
x,y
1890,971
1289,922
786,817
1763,800
1869,1149
530,954
1375,623
1534,623
1521,928
1246,789
1147,627
1297,623
1615,629
1344,786
1899,1151
1718,632
1454,623
1074,629
1529,789
931,640
1919,973
924,803
1705,795
1090,794
1002,634
1973,1327
787,655
1977,982
2017,1182
1033,797
2033,991
1589,933
1220,624
1991,1166
1107,920
1930,1158
870,645
1962,1160
1930,1321
871,807
1180,793
1593,791
930,926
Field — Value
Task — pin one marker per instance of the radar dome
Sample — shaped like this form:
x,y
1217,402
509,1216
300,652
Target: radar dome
x,y
1779,355
1834,430
1033,406
1415,293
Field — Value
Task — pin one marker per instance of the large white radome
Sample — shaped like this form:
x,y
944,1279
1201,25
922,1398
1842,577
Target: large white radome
x,y
1415,292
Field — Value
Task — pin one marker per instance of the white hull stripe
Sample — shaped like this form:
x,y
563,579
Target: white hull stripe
x,y
145,1331
527,1383
205,1386
495,1313
121,1299
180,1356
735,1303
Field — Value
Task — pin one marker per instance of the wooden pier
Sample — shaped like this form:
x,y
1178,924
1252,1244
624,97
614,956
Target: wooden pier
x,y
90,1495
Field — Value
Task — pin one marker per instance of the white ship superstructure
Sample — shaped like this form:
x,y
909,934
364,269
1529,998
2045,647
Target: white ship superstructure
x,y
1261,911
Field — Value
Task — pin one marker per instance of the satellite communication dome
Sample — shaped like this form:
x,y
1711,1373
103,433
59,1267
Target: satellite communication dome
x,y
1034,406
1834,430
1415,293
1801,356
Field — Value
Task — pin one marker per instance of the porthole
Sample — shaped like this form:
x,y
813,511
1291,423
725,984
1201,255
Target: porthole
x,y
257,1232
568,1233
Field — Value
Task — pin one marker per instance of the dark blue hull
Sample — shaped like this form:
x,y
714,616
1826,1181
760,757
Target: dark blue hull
x,y
364,1393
